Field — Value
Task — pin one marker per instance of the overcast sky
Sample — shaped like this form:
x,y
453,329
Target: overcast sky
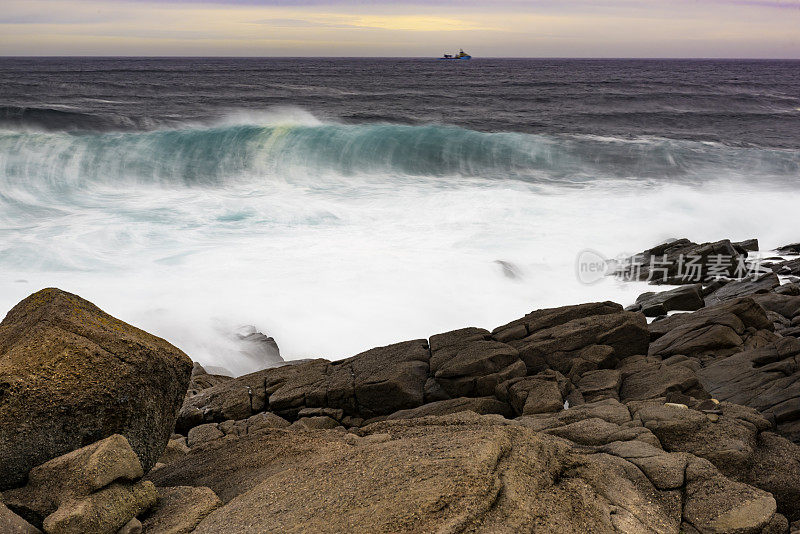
x,y
505,28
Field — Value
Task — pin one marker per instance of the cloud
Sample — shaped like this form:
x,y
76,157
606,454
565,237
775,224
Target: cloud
x,y
530,28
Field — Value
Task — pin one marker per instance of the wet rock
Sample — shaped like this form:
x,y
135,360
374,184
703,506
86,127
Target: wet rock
x,y
793,248
787,268
258,350
669,263
685,298
748,245
71,374
743,288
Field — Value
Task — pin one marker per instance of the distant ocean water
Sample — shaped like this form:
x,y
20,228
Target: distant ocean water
x,y
339,204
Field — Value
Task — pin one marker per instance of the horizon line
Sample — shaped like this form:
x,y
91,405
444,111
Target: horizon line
x,y
596,58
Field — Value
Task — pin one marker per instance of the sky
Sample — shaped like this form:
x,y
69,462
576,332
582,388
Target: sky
x,y
420,28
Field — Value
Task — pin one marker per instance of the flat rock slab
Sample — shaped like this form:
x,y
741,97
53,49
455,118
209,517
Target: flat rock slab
x,y
456,473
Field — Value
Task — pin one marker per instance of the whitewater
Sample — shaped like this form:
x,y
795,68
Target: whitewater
x,y
335,235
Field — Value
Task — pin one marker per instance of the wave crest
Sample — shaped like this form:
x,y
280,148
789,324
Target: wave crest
x,y
304,149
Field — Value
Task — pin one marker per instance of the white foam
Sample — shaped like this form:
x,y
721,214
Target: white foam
x,y
329,275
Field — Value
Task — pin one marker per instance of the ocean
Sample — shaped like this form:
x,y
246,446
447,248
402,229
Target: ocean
x,y
341,204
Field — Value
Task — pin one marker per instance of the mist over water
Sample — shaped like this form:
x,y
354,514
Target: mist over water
x,y
334,236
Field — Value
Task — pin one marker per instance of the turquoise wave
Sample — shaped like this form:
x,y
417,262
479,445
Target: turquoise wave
x,y
219,155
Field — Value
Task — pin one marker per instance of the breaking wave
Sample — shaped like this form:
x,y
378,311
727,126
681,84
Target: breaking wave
x,y
310,150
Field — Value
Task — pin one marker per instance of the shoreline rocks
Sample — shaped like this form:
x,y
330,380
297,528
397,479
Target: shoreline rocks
x,y
578,418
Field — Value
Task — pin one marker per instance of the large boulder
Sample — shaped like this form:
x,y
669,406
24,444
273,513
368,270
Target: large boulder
x,y
70,375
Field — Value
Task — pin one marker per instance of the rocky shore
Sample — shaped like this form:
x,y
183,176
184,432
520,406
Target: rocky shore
x,y
584,418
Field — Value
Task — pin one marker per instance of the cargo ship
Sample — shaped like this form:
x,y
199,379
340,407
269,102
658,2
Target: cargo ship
x,y
461,55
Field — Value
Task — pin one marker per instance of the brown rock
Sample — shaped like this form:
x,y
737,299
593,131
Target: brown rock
x,y
11,523
103,512
479,405
74,476
715,504
71,374
180,509
203,434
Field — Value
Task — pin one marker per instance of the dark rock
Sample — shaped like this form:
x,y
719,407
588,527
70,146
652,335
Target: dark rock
x,y
766,379
743,288
652,379
71,374
787,268
712,332
669,263
685,298
794,248
257,349
785,305
541,393
600,384
200,380
748,245
792,289
237,398
468,362
550,317
576,339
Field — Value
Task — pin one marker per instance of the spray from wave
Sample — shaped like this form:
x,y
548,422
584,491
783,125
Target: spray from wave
x,y
334,238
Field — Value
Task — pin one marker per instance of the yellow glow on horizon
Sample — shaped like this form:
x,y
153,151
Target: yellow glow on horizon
x,y
90,27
